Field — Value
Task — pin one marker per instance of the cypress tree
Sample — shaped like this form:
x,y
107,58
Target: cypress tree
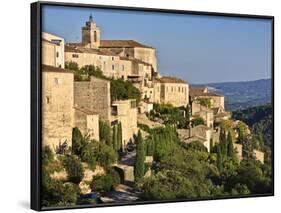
x,y
140,156
211,145
223,142
219,159
114,138
119,137
76,141
230,149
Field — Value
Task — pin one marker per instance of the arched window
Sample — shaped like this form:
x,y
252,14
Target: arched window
x,y
95,36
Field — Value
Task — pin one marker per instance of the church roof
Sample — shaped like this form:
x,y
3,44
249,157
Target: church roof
x,y
169,79
121,44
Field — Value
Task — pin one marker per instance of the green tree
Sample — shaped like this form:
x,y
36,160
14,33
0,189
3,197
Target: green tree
x,y
230,148
187,115
77,141
219,159
88,154
140,157
105,155
73,168
205,102
119,137
223,142
122,90
105,133
72,66
105,183
114,138
211,145
197,121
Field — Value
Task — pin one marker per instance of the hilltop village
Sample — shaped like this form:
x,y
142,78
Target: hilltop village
x,y
84,101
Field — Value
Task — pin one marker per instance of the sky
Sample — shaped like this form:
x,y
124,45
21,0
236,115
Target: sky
x,y
196,48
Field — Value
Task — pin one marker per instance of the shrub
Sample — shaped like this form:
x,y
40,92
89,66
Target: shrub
x,y
73,168
105,155
105,183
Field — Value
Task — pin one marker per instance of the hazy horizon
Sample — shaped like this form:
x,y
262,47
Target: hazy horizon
x,y
199,49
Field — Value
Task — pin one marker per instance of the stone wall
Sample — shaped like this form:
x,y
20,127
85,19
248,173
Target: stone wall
x,y
57,107
95,96
176,94
127,115
87,122
52,50
203,112
147,55
259,155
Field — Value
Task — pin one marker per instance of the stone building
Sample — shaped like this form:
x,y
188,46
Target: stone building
x,y
126,113
87,122
199,133
259,155
125,59
198,110
217,101
57,106
94,95
171,90
52,50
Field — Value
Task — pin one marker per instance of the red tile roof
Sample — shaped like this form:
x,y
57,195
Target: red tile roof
x,y
48,68
121,44
168,79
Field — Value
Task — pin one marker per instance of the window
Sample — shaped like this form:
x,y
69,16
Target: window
x,y
95,36
57,81
182,89
58,54
112,67
179,89
171,89
112,58
123,67
48,100
75,56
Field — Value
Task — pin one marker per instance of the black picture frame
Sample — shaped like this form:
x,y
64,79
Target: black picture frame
x,y
36,90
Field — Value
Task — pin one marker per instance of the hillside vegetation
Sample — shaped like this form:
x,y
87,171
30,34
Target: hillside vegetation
x,y
259,119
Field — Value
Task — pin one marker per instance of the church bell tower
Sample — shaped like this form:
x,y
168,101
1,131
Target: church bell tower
x,y
91,34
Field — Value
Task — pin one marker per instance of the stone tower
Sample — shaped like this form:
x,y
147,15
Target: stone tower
x,y
91,34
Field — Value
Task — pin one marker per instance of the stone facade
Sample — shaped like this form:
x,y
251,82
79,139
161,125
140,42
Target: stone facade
x,y
170,90
217,101
199,133
126,113
57,106
87,122
125,59
259,155
94,95
207,114
91,34
52,50
238,148
145,107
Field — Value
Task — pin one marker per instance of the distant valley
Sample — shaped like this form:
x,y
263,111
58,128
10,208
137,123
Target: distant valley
x,y
241,95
